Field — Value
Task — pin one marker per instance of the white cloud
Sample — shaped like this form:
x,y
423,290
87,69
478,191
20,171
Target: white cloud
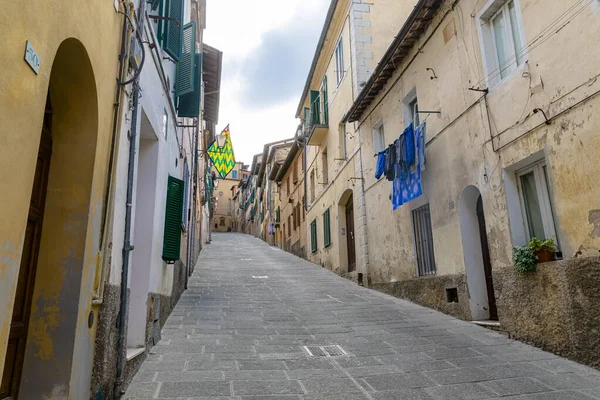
x,y
246,33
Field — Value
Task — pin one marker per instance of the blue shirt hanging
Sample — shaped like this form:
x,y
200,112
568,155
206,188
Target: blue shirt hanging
x,y
407,182
380,167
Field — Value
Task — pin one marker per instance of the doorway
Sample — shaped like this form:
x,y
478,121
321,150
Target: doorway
x,y
144,257
17,339
478,265
487,264
350,235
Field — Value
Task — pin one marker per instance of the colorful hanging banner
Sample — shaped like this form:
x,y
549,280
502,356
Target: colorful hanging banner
x,y
222,158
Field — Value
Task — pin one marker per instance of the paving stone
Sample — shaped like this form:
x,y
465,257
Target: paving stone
x,y
211,365
399,381
569,381
233,337
329,385
189,389
462,391
189,376
458,375
243,388
515,386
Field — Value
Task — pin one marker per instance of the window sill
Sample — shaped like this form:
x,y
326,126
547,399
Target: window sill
x,y
518,71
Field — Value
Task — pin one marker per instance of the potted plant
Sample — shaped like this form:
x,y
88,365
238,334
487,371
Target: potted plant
x,y
524,259
544,250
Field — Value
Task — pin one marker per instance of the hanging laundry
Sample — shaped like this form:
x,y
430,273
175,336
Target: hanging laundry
x,y
390,162
380,166
421,141
409,145
407,181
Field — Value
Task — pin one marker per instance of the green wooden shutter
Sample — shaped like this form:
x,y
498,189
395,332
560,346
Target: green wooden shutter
x,y
325,102
172,234
326,229
189,103
313,235
186,193
185,66
315,107
173,29
154,4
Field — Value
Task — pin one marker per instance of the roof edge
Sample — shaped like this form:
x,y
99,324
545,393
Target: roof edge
x,y
313,66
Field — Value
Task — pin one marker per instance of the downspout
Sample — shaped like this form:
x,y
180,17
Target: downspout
x,y
127,246
98,298
365,282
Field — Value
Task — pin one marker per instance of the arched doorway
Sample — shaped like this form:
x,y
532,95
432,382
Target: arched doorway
x,y
346,232
39,362
477,257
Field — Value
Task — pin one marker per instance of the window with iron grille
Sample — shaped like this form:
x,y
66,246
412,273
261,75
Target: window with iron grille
x,y
326,229
313,236
421,218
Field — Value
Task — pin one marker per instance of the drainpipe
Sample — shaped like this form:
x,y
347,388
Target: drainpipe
x,y
127,246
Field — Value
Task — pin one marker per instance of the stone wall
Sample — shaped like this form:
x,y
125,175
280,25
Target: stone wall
x,y
556,308
104,371
431,292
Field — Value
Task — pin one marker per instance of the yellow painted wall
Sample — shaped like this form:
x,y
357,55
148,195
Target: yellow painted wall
x,y
46,25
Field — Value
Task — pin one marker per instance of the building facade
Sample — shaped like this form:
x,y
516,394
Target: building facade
x,y
509,126
104,225
224,215
500,97
354,37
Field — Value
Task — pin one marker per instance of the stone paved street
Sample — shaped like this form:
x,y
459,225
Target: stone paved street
x,y
238,332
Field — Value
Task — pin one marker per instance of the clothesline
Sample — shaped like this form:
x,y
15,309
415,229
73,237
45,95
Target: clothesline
x,y
376,154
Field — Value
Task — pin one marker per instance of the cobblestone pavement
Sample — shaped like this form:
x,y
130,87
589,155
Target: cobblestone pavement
x,y
238,332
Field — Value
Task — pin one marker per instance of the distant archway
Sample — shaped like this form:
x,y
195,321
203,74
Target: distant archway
x,y
47,365
478,267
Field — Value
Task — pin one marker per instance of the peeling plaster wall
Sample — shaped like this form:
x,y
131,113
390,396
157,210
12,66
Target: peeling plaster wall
x,y
461,153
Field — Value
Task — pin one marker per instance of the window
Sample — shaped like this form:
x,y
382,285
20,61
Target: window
x,y
312,185
324,103
165,123
287,186
378,137
229,207
313,236
294,219
339,61
536,204
410,109
326,229
295,173
502,39
421,218
234,174
342,140
325,167
289,223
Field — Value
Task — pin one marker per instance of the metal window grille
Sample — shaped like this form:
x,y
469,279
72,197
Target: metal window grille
x,y
423,241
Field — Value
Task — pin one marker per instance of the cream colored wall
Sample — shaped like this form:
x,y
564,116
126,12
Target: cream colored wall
x,y
459,149
225,186
22,100
296,193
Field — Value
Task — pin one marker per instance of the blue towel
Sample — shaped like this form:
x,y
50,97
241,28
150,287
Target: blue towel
x,y
380,168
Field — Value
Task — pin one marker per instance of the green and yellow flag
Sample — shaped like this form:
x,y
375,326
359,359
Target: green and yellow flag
x,y
222,158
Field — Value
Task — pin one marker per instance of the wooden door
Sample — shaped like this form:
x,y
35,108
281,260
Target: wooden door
x,y
350,236
487,264
17,338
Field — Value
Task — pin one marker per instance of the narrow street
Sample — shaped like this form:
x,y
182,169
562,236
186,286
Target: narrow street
x,y
238,333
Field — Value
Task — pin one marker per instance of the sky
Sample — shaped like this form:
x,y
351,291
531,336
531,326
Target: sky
x,y
268,46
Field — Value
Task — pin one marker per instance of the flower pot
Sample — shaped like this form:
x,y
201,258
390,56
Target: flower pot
x,y
545,256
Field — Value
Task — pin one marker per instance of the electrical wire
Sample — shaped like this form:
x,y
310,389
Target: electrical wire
x,y
539,39
141,43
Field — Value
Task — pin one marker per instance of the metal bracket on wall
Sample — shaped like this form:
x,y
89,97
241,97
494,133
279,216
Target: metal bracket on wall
x,y
157,17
